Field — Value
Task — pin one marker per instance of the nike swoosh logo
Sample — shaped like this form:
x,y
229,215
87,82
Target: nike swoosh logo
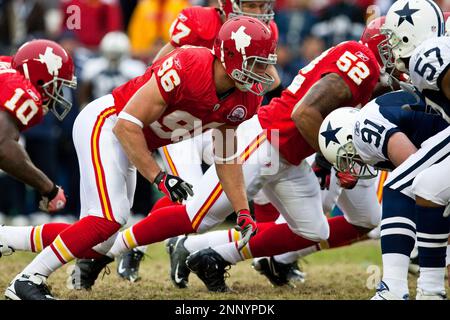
x,y
177,279
120,268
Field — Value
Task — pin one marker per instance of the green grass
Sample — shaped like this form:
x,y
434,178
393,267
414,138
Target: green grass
x,y
343,273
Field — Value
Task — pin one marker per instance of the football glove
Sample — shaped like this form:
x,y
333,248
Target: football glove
x,y
322,169
174,187
53,201
346,180
246,226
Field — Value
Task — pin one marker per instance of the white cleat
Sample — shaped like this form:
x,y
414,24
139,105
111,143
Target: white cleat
x,y
423,295
383,293
5,250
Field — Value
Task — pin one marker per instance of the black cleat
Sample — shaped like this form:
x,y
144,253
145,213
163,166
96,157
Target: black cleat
x,y
86,271
128,265
28,287
211,268
295,274
179,273
279,274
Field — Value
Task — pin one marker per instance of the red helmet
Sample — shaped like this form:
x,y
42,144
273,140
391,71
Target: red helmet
x,y
233,8
242,45
447,23
378,42
49,68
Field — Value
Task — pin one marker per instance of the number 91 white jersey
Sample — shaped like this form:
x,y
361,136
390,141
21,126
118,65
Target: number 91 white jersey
x,y
427,66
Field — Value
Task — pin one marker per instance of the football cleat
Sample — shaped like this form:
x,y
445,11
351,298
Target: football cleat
x,y
28,287
179,272
128,265
295,274
383,293
86,271
279,274
5,250
423,295
211,268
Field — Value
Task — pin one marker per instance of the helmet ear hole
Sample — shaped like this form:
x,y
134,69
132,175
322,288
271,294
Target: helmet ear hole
x,y
405,39
40,82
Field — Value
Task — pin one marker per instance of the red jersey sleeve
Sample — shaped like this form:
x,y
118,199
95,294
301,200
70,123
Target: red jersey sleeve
x,y
177,75
20,99
357,66
197,26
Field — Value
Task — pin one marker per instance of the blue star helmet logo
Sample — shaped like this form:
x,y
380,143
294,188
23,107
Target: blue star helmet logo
x,y
330,134
406,14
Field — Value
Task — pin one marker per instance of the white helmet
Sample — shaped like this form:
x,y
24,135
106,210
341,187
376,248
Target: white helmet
x,y
408,23
336,143
115,45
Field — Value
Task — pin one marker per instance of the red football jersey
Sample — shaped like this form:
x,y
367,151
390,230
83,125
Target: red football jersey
x,y
352,61
186,82
18,96
198,26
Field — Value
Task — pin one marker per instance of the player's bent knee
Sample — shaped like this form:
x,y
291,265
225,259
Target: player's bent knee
x,y
317,233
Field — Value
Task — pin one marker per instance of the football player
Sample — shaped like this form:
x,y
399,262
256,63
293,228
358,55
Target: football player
x,y
31,83
408,24
386,131
197,26
275,143
114,134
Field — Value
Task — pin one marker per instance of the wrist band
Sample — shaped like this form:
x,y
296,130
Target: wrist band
x,y
126,116
159,177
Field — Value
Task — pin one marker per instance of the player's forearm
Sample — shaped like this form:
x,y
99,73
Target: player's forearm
x,y
308,121
133,142
15,161
232,181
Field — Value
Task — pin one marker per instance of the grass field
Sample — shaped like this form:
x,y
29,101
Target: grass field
x,y
344,273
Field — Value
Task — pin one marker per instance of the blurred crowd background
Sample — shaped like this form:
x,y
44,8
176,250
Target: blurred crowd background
x,y
113,41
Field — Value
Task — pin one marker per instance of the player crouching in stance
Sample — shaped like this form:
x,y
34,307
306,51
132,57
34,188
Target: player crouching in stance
x,y
190,90
387,135
31,83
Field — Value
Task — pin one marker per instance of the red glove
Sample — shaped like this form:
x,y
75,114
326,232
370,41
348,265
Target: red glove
x,y
53,201
246,225
346,180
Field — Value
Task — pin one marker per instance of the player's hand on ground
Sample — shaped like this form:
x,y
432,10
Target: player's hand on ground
x,y
174,187
54,201
246,225
346,180
322,169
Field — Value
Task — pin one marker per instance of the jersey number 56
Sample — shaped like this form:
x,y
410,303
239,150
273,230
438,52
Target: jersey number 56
x,y
169,77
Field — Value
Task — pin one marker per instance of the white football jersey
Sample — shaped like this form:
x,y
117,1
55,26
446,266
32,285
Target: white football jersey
x,y
427,66
369,134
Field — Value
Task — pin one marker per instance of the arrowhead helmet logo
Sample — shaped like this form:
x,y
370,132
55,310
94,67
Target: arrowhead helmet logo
x,y
241,40
51,60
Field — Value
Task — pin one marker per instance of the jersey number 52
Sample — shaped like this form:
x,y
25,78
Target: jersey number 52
x,y
356,71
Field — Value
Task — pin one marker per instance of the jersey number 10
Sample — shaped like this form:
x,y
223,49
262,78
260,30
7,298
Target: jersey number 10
x,y
26,110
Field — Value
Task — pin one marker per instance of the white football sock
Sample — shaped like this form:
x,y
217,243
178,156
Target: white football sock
x,y
395,273
17,238
44,263
118,247
209,239
229,252
432,280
